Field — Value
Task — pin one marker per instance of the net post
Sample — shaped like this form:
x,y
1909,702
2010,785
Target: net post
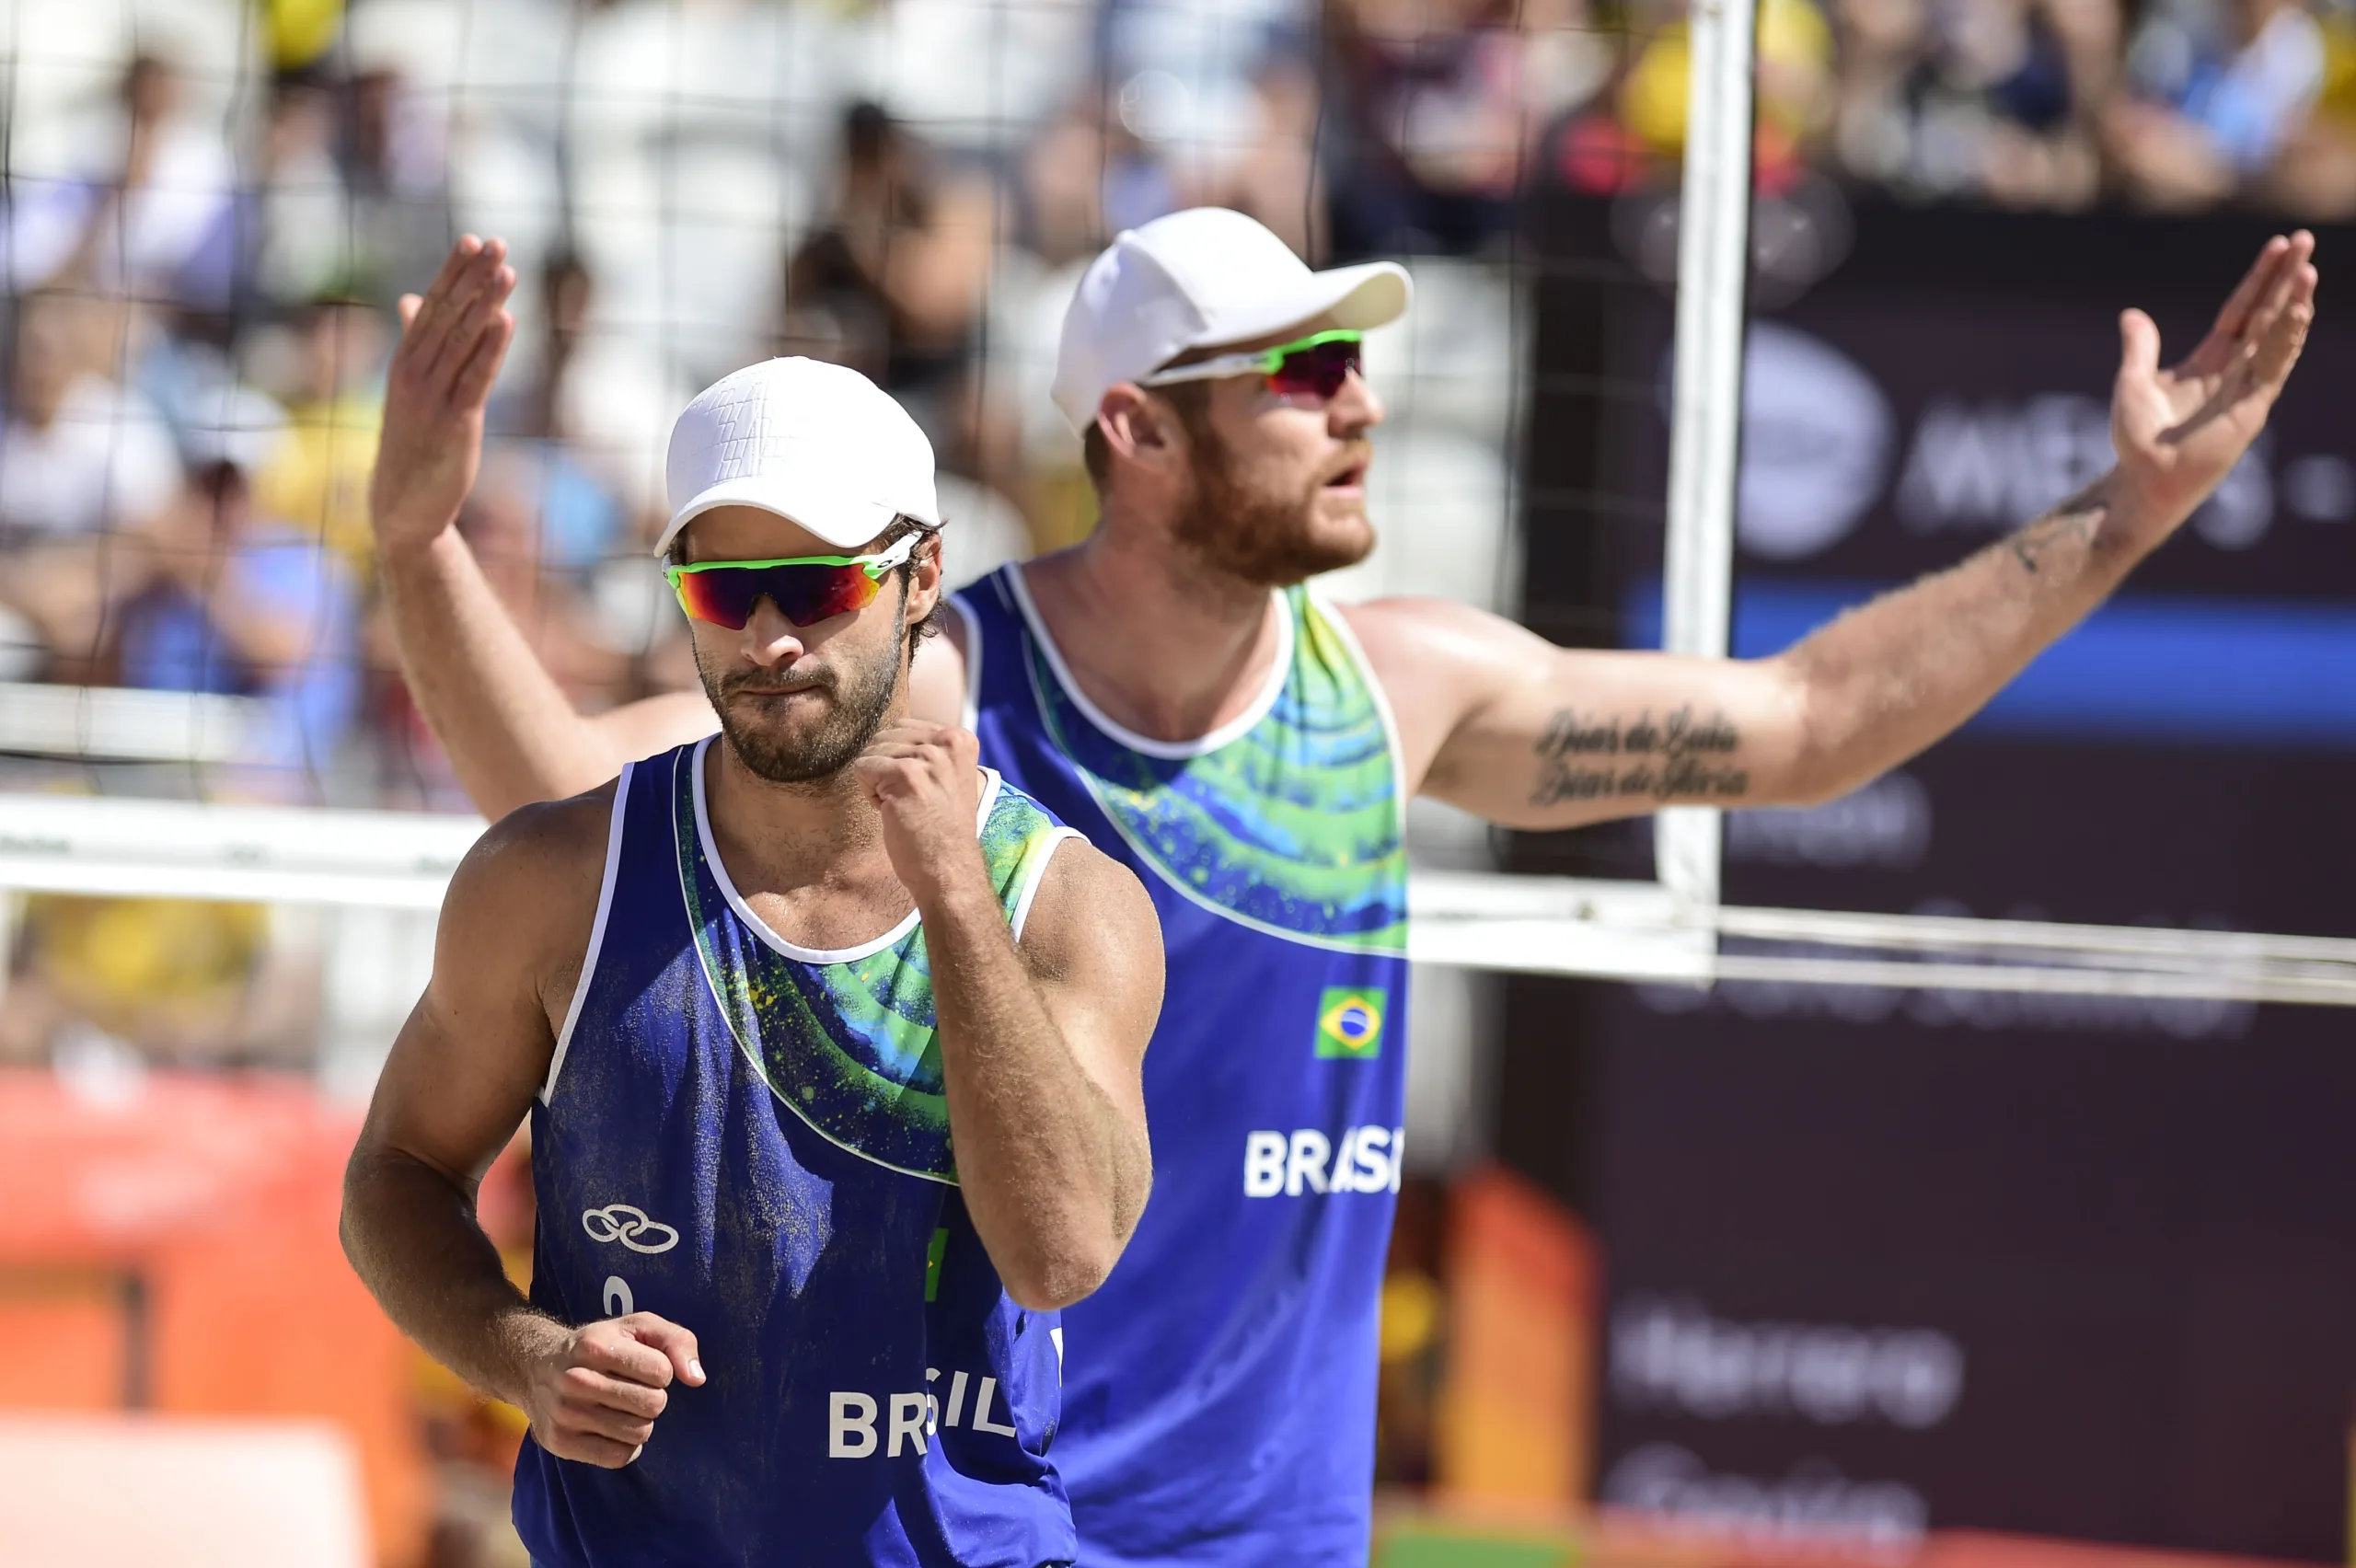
x,y
1713,253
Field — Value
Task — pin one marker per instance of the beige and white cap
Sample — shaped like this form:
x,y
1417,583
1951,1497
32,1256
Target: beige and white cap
x,y
1198,279
816,444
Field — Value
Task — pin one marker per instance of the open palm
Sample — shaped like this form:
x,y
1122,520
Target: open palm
x,y
452,341
2178,432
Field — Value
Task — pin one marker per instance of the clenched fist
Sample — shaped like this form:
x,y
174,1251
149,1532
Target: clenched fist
x,y
593,1392
926,779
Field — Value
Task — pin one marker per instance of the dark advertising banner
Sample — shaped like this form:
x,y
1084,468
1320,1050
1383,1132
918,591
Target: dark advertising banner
x,y
1884,1260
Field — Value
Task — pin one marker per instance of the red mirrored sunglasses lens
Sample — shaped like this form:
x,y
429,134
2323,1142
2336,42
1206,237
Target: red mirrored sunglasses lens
x,y
1316,371
804,595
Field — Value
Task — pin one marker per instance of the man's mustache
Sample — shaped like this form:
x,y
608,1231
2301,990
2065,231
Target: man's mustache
x,y
765,685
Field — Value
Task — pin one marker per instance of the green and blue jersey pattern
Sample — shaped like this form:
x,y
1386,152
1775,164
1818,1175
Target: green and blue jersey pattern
x,y
850,1045
750,1139
1219,1391
1293,827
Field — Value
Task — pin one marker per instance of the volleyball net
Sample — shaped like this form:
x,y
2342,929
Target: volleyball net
x,y
211,210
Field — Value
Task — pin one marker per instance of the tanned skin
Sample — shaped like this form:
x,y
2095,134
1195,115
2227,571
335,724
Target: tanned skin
x,y
1042,1042
1166,618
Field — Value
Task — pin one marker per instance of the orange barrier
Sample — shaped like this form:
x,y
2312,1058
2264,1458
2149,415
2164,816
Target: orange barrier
x,y
172,1247
1513,1422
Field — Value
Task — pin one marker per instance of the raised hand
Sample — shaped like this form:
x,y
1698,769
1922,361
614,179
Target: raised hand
x,y
452,339
2178,432
925,779
593,1392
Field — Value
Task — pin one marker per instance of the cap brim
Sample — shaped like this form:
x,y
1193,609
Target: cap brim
x,y
842,522
1371,294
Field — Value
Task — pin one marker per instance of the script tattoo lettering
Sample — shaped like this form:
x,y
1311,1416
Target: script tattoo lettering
x,y
1677,757
2071,523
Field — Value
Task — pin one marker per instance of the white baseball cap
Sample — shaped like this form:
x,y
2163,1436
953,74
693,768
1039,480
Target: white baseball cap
x,y
816,444
1200,279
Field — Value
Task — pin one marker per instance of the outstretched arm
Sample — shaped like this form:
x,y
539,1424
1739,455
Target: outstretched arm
x,y
1042,1045
1527,734
462,1073
511,733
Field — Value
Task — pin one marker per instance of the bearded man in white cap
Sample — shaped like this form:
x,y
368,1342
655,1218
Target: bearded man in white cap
x,y
828,1038
1174,688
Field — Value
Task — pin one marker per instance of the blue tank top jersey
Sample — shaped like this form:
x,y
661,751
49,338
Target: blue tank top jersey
x,y
1219,1390
751,1139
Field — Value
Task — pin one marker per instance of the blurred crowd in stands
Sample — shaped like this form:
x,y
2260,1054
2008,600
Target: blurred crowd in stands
x,y
210,213
211,209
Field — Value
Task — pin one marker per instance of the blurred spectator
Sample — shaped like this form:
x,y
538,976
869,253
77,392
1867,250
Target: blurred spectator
x,y
1090,174
895,285
80,452
1275,180
503,524
80,455
222,597
150,219
318,479
105,983
2217,93
353,196
300,217
1439,106
2316,175
1991,98
395,161
1212,104
581,521
1146,150
900,263
1794,89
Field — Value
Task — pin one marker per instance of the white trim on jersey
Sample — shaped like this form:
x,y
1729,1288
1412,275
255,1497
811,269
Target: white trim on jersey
x,y
1036,873
1168,751
597,931
759,927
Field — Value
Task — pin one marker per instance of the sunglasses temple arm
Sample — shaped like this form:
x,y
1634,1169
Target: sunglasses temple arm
x,y
1210,369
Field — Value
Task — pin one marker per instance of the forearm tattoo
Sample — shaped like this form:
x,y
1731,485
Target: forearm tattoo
x,y
2070,523
1586,757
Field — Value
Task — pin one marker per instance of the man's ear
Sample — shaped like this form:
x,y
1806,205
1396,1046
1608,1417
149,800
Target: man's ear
x,y
1138,428
925,575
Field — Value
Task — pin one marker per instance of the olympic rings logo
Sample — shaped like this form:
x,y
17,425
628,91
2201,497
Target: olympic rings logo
x,y
622,1223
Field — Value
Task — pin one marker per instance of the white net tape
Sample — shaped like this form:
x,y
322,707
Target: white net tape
x,y
1536,925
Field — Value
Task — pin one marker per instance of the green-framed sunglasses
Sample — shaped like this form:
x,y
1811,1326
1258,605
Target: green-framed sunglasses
x,y
805,588
1314,367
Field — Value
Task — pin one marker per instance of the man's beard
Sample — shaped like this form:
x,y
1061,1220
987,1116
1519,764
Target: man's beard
x,y
1268,540
857,712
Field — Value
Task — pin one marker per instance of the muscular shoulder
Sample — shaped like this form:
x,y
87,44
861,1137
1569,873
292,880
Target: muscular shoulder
x,y
1437,661
544,845
1091,920
525,895
1405,632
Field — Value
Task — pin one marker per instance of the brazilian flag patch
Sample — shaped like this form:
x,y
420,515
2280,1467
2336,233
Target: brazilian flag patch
x,y
1349,1022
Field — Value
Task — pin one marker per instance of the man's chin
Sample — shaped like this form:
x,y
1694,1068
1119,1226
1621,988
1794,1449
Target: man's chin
x,y
1278,546
782,753
1334,542
782,765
